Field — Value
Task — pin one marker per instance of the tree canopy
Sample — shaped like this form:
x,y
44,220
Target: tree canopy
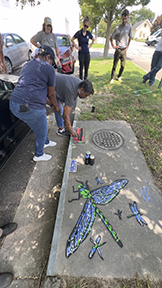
x,y
157,24
141,14
109,10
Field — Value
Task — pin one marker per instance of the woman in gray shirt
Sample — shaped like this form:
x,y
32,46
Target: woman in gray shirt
x,y
46,37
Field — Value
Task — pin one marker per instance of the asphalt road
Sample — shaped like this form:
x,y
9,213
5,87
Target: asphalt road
x,y
16,173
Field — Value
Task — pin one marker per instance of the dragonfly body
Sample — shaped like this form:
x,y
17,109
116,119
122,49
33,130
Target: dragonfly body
x,y
102,195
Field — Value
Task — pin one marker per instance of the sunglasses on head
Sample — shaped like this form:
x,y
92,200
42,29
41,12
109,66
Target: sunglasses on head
x,y
86,26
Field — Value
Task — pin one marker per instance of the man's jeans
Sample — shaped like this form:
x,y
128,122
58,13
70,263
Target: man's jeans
x,y
156,65
59,120
37,121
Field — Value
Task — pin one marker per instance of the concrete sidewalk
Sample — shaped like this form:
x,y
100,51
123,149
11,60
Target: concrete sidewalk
x,y
120,158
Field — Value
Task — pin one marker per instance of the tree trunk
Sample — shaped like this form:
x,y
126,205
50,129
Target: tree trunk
x,y
108,32
3,68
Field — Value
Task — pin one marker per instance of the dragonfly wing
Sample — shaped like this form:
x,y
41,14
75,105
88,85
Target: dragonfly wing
x,y
81,229
132,208
105,194
92,252
99,253
141,220
135,207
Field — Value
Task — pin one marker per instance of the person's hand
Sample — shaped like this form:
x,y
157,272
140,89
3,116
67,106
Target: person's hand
x,y
74,134
79,48
116,47
56,108
58,61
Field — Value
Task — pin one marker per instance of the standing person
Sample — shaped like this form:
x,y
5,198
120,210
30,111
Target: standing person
x,y
3,68
156,64
67,89
28,99
122,35
46,37
83,37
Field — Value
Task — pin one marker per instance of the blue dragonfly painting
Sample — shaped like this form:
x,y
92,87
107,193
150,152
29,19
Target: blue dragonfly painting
x,y
96,246
102,195
136,213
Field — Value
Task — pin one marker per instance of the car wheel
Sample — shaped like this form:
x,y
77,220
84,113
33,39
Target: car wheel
x,y
153,43
29,55
8,65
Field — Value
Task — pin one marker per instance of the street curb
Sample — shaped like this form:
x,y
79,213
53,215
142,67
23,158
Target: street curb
x,y
55,239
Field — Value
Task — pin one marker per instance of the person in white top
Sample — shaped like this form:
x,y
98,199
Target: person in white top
x,y
156,64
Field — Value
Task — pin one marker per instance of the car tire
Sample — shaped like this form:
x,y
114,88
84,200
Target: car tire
x,y
153,43
8,65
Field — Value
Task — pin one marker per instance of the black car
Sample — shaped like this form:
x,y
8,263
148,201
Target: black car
x,y
12,130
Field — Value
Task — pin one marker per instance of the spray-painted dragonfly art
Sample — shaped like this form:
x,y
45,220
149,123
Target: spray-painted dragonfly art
x,y
96,246
137,214
102,195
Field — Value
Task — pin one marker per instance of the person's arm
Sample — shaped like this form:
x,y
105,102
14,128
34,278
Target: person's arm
x,y
128,42
52,101
34,43
75,45
93,40
58,55
112,44
66,117
3,67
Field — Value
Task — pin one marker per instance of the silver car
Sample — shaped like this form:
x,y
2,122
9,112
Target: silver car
x,y
15,50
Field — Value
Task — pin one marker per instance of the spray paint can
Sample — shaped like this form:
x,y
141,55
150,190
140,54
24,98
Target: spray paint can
x,y
93,108
87,156
91,160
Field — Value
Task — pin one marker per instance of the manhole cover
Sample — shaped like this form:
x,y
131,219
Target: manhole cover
x,y
107,139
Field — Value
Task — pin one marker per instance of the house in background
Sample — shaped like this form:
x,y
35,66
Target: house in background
x,y
141,29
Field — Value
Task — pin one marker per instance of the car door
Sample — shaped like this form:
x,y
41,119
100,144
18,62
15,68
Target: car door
x,y
22,48
10,49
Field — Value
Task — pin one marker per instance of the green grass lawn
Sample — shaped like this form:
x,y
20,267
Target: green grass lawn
x,y
119,101
98,45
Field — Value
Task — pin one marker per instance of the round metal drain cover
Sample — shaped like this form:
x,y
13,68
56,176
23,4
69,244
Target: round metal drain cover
x,y
107,139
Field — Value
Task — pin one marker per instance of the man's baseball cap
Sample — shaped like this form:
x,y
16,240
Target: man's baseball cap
x,y
48,21
48,51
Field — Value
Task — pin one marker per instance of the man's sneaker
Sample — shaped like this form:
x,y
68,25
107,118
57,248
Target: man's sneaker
x,y
119,79
63,132
111,81
50,144
44,157
10,139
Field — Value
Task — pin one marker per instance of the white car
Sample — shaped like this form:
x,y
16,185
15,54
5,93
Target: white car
x,y
16,50
154,38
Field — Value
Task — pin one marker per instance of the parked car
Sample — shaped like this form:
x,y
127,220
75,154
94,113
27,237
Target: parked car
x,y
16,50
154,38
12,130
67,53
